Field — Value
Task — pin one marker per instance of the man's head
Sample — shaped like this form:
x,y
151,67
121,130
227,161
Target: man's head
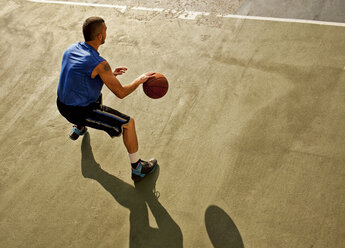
x,y
94,29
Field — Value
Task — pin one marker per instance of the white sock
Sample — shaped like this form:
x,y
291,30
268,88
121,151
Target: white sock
x,y
134,157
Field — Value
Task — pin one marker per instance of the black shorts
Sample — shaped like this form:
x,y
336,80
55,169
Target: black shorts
x,y
96,116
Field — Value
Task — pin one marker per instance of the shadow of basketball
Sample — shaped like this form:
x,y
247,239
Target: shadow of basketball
x,y
221,230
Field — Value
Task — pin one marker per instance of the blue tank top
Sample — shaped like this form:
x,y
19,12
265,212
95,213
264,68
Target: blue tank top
x,y
76,87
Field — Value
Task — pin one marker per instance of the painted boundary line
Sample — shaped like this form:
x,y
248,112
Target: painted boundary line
x,y
121,8
191,15
276,19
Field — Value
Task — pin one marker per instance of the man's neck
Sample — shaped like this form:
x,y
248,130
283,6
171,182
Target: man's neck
x,y
93,44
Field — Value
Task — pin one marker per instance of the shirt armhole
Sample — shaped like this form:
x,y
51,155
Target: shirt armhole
x,y
94,65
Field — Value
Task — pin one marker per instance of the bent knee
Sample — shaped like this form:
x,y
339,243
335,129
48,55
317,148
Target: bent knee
x,y
130,124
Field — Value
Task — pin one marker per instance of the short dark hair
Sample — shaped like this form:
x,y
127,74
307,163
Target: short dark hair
x,y
92,27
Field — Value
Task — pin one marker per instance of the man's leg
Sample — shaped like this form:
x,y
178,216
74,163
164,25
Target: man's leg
x,y
113,122
72,114
139,168
130,137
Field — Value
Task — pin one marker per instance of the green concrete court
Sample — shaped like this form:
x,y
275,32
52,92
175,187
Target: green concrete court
x,y
250,137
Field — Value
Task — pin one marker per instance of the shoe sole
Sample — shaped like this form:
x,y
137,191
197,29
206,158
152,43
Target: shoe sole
x,y
74,136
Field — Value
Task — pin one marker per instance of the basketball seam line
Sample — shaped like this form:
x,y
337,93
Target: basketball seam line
x,y
154,79
157,87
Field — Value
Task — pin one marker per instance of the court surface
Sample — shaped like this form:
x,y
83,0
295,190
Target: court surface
x,y
250,137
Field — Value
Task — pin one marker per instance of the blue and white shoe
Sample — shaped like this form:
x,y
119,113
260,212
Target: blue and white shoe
x,y
143,168
77,132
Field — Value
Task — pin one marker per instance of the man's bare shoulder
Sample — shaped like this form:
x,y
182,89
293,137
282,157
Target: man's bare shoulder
x,y
101,68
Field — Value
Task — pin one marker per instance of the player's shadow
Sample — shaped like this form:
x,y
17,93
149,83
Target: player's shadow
x,y
136,199
221,230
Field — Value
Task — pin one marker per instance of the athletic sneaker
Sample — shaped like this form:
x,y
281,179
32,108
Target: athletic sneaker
x,y
77,132
143,168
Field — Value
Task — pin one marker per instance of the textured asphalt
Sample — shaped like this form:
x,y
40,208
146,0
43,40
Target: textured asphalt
x,y
250,137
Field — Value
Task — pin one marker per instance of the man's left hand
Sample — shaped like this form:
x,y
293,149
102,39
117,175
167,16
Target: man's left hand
x,y
119,71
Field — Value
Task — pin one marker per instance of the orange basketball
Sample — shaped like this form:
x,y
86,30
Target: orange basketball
x,y
156,87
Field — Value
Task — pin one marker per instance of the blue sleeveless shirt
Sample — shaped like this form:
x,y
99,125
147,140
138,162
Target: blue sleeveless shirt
x,y
76,87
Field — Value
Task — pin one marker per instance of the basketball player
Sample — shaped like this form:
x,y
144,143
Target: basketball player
x,y
83,74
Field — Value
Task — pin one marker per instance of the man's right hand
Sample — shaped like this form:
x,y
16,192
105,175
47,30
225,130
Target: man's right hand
x,y
144,77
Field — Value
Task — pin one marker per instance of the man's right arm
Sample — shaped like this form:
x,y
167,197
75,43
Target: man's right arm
x,y
103,69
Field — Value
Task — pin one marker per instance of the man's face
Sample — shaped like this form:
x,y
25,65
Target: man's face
x,y
103,33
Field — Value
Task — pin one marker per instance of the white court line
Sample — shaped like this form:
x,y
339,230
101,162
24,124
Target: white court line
x,y
148,9
191,15
276,19
122,8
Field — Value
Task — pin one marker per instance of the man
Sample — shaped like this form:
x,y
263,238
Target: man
x,y
83,74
